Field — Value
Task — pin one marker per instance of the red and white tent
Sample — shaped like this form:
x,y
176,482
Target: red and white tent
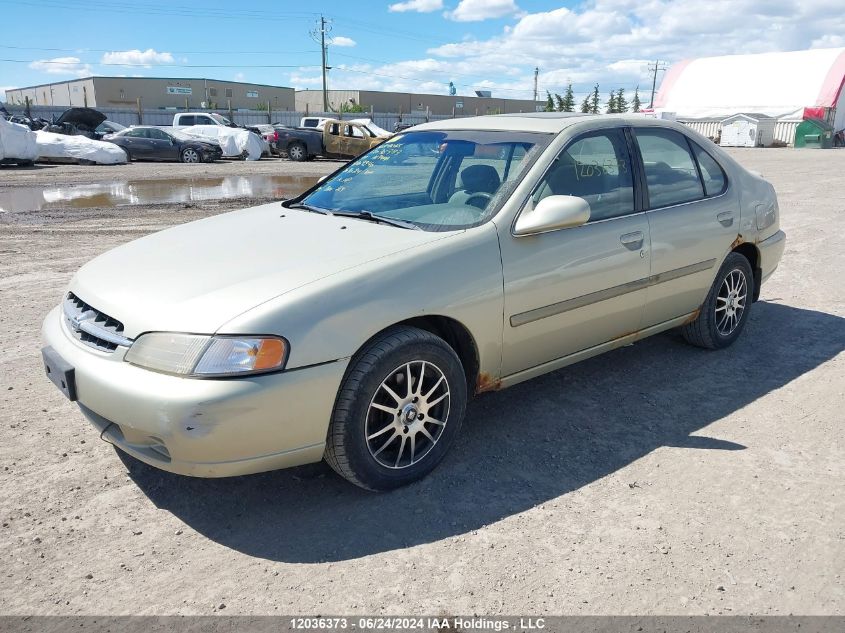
x,y
780,85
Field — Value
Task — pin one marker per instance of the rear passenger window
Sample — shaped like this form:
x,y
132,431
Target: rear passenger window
x,y
711,172
596,168
669,168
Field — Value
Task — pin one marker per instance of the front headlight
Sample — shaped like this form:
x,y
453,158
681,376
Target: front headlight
x,y
208,356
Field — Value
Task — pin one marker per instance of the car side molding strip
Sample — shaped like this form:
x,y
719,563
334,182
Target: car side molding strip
x,y
523,318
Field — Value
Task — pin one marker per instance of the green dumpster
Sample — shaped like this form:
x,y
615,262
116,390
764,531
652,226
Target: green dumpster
x,y
814,133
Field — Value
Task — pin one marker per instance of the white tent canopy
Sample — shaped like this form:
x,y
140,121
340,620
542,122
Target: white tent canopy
x,y
775,84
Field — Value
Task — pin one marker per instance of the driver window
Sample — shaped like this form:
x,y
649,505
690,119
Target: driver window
x,y
334,129
597,168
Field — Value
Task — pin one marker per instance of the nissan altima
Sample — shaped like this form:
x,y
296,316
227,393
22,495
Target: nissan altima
x,y
353,322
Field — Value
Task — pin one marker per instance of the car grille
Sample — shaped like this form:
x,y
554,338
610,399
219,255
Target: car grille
x,y
92,327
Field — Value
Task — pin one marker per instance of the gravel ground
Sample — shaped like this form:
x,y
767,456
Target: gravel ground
x,y
657,479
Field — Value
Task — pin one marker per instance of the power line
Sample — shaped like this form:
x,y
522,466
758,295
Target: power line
x,y
79,63
111,50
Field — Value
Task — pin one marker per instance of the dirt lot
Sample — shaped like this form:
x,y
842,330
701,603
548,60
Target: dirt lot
x,y
658,479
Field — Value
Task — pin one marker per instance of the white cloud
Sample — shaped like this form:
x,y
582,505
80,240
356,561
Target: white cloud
x,y
478,10
63,66
239,76
605,42
420,6
137,57
340,40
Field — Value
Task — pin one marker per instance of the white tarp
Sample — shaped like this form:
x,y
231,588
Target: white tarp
x,y
234,141
375,129
78,148
17,142
774,84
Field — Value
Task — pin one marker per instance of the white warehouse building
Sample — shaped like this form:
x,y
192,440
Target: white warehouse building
x,y
788,87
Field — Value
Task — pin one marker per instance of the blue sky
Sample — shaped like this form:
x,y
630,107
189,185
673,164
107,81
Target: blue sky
x,y
417,45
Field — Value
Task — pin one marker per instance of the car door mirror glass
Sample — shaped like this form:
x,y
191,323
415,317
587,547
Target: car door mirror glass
x,y
553,213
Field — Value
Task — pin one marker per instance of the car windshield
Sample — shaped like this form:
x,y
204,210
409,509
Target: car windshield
x,y
220,119
437,180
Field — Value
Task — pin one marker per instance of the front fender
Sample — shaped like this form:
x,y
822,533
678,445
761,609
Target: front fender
x,y
459,277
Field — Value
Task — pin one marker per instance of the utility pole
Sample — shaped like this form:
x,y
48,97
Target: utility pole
x,y
653,69
536,92
319,36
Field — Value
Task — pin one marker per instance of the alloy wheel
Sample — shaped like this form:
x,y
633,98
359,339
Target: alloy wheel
x,y
190,156
407,414
730,302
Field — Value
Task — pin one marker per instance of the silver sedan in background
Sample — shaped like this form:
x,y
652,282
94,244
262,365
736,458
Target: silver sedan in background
x,y
354,322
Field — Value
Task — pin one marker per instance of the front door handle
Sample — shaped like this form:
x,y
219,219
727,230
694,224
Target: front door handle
x,y
726,218
632,240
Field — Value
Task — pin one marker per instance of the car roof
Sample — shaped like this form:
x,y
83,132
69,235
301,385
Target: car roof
x,y
549,122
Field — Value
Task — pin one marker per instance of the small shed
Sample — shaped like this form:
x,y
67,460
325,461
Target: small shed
x,y
748,130
814,133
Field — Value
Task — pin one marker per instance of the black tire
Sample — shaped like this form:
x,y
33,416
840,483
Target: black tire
x,y
191,155
297,152
348,449
706,330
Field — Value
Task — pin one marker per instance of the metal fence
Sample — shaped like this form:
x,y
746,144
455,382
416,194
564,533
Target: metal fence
x,y
133,116
784,130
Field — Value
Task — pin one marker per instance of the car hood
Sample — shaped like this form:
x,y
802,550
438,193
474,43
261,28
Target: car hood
x,y
82,116
195,277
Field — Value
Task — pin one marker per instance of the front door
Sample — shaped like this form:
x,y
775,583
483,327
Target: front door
x,y
572,289
355,140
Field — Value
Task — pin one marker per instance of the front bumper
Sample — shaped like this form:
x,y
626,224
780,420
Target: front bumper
x,y
203,428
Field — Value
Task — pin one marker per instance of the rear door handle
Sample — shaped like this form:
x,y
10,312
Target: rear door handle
x,y
726,218
632,240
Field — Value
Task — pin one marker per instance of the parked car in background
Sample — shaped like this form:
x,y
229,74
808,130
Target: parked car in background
x,y
86,122
336,139
399,126
354,321
188,119
144,142
269,134
319,122
108,127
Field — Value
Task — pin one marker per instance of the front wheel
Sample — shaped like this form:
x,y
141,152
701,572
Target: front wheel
x,y
190,155
398,411
725,310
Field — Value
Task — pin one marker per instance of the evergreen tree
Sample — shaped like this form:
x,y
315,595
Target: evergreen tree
x,y
611,103
595,100
568,102
550,104
585,105
558,103
621,101
636,105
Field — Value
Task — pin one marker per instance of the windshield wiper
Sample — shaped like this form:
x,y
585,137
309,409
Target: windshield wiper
x,y
380,219
306,207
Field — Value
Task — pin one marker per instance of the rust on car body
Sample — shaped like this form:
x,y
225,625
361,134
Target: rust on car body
x,y
486,382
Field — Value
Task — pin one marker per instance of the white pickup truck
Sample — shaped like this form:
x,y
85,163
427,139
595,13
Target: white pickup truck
x,y
187,119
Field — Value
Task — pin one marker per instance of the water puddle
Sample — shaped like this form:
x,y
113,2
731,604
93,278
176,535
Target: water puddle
x,y
175,190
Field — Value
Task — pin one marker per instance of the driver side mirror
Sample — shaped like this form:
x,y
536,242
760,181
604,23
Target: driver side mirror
x,y
553,213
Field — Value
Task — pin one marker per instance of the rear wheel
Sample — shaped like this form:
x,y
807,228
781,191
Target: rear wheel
x,y
398,411
190,155
725,310
297,152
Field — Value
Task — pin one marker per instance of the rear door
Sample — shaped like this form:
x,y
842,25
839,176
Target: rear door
x,y
572,289
141,146
693,215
